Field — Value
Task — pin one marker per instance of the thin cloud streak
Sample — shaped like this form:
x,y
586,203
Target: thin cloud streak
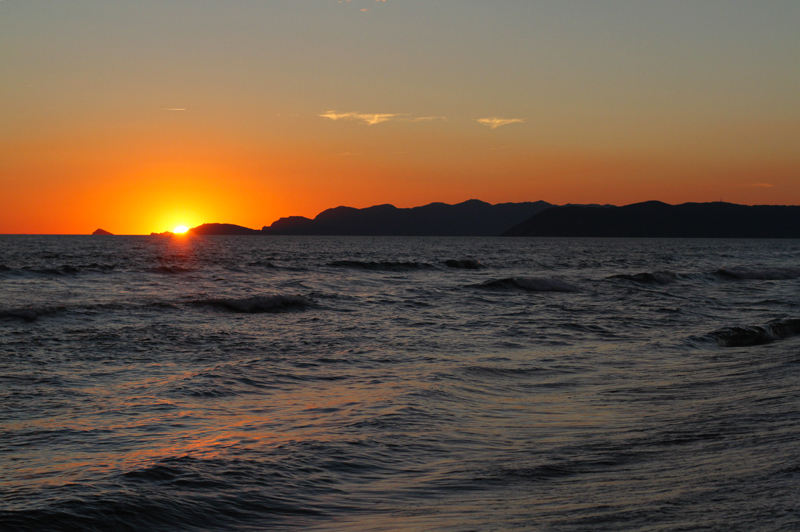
x,y
495,122
370,119
427,119
377,118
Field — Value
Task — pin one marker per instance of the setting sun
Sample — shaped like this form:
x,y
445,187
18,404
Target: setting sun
x,y
180,229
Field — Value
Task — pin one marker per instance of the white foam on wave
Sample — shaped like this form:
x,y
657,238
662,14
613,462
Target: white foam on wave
x,y
756,335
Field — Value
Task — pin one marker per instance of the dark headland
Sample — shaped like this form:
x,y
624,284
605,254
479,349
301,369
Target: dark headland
x,y
470,218
651,219
102,232
223,229
654,219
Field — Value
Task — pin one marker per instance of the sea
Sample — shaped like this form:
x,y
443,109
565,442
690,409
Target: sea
x,y
235,383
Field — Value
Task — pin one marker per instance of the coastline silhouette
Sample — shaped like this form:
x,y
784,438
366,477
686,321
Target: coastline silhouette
x,y
650,219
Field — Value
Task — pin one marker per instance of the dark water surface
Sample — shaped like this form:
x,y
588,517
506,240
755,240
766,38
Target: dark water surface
x,y
322,383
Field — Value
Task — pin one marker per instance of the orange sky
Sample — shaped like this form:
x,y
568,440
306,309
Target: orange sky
x,y
141,118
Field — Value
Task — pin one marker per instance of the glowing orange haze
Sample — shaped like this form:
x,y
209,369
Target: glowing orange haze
x,y
136,187
142,116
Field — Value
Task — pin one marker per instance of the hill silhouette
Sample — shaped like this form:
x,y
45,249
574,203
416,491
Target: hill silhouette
x,y
470,218
102,232
223,229
655,219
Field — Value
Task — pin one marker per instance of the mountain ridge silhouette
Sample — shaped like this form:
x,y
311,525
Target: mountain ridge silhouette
x,y
469,218
656,219
649,219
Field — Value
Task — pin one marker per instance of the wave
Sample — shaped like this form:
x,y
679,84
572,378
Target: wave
x,y
181,493
765,274
560,469
648,278
98,267
528,284
756,335
510,373
65,269
250,305
62,270
258,304
169,269
382,266
466,264
30,313
272,266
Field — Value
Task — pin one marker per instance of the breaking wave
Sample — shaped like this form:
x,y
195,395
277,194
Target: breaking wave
x,y
98,267
30,313
257,304
756,335
648,278
65,269
169,269
465,264
765,274
528,284
382,266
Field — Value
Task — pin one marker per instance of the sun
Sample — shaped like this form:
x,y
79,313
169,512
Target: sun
x,y
180,229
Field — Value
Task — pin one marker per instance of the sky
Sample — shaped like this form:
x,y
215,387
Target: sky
x,y
138,116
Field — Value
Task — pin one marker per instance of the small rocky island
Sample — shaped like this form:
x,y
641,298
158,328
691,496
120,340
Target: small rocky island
x,y
102,232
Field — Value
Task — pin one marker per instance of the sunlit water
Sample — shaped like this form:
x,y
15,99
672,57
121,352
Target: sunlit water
x,y
275,383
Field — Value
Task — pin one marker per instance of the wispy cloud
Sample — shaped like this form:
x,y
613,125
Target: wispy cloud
x,y
376,118
174,109
426,118
759,185
333,115
370,119
495,122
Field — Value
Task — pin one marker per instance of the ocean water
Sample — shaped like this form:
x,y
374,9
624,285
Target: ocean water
x,y
323,383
